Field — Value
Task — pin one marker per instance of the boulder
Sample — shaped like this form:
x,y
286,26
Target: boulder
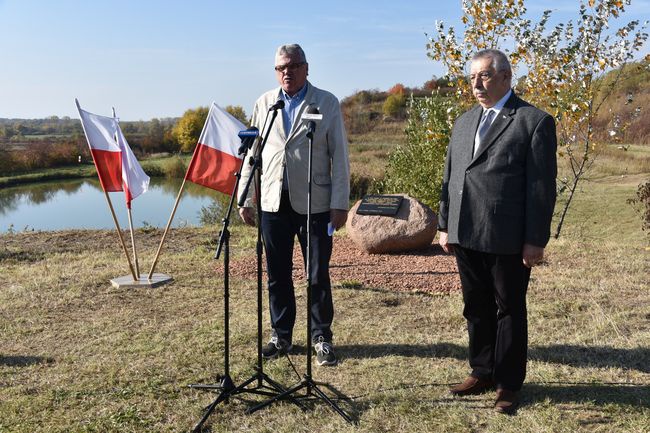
x,y
413,227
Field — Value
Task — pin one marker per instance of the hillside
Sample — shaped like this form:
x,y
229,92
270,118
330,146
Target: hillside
x,y
628,104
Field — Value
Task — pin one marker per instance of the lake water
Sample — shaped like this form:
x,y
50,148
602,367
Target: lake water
x,y
81,204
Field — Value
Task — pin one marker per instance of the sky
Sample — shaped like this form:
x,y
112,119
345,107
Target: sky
x,y
159,58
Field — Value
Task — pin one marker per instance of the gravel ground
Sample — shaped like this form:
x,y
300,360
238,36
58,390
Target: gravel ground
x,y
429,270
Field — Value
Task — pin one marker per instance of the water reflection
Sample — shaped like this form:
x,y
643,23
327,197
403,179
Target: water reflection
x,y
81,203
36,193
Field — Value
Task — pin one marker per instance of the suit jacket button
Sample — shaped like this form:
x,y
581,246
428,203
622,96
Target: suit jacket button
x,y
466,171
460,192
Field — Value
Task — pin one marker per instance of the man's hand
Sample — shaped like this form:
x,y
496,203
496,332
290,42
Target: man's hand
x,y
443,240
248,215
338,217
532,255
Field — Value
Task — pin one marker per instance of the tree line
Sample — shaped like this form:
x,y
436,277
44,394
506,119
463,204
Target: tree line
x,y
32,144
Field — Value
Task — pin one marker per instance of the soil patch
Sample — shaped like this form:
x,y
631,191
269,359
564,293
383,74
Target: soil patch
x,y
429,270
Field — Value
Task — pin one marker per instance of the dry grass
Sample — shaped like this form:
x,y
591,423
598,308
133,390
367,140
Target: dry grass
x,y
77,355
635,123
621,160
369,152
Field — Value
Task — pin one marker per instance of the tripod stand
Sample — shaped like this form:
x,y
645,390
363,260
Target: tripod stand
x,y
264,384
307,383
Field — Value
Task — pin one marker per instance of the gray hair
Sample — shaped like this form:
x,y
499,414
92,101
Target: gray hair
x,y
291,50
500,61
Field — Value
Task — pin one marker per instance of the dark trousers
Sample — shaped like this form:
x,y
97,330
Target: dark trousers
x,y
494,292
279,230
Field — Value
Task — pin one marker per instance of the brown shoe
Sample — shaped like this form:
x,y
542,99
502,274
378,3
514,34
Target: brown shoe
x,y
471,386
507,402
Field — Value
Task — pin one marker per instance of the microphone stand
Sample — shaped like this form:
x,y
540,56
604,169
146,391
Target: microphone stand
x,y
225,383
307,381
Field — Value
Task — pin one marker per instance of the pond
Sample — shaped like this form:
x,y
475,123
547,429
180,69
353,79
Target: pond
x,y
81,204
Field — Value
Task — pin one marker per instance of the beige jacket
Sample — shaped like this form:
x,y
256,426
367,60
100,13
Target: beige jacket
x,y
330,163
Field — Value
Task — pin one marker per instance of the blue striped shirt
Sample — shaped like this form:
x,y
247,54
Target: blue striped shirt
x,y
291,104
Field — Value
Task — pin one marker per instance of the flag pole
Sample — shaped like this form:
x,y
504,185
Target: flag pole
x,y
135,252
119,232
110,206
178,199
169,223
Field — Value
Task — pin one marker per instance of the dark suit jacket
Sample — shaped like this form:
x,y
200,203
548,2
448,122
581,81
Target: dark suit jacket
x,y
504,196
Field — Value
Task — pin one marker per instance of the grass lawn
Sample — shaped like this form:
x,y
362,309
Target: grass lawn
x,y
77,355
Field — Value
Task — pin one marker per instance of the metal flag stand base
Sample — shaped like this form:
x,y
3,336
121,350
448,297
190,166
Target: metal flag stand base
x,y
127,281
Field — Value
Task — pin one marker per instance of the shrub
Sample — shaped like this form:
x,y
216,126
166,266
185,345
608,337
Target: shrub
x,y
397,89
359,185
416,168
214,213
153,169
395,105
642,205
40,154
211,214
238,113
7,162
188,128
175,168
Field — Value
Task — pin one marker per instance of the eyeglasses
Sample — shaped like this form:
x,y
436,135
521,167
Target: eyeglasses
x,y
289,66
484,76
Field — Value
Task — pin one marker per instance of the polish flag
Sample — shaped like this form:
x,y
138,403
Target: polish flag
x,y
134,180
116,165
215,159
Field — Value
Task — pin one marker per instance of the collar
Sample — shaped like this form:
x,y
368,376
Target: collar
x,y
297,97
500,103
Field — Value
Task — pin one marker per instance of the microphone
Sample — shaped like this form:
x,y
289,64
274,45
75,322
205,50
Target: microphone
x,y
247,137
278,105
311,115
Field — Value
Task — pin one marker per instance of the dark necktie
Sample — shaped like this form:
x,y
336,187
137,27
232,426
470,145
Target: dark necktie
x,y
483,128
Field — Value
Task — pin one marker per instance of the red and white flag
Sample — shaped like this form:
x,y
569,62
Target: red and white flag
x,y
134,180
116,165
215,159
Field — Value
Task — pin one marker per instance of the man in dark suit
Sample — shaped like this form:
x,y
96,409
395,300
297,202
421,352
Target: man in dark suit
x,y
496,206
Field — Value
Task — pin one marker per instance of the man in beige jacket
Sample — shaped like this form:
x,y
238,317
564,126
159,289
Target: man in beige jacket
x,y
284,186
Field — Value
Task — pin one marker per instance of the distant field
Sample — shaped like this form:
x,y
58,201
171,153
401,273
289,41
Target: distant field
x,y
369,152
47,137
